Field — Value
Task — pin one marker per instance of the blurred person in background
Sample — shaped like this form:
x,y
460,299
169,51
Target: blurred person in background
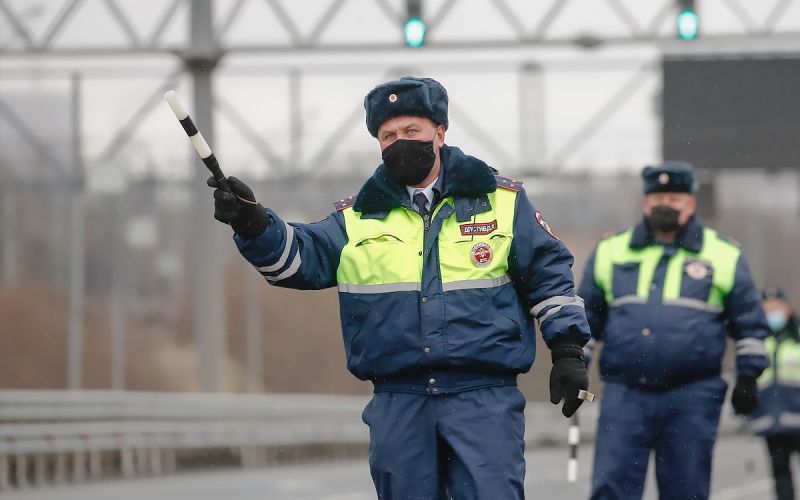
x,y
661,296
442,268
778,415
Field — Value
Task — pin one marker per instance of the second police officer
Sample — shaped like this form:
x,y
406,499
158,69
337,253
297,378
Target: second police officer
x,y
661,297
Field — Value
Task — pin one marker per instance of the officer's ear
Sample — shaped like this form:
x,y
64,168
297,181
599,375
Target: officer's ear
x,y
692,204
440,135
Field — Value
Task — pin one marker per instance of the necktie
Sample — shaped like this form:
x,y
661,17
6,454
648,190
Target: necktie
x,y
420,201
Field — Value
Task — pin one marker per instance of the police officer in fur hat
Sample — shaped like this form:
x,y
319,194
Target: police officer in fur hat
x,y
778,415
443,268
661,297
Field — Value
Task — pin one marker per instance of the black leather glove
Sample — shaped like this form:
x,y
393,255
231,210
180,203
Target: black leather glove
x,y
745,395
241,210
568,376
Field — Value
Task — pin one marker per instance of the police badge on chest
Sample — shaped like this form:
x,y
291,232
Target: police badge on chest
x,y
698,269
481,254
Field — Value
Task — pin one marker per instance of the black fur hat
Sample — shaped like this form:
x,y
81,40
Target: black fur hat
x,y
407,96
669,177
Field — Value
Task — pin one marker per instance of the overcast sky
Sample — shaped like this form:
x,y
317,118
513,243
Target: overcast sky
x,y
483,84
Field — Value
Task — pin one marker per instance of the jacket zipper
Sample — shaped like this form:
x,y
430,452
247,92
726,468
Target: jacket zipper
x,y
426,221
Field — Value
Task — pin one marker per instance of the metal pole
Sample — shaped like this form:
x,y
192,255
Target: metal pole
x,y
9,236
208,315
295,122
76,253
119,277
255,368
57,196
76,292
531,118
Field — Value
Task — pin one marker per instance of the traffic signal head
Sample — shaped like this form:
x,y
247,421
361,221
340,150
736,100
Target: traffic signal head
x,y
688,22
414,31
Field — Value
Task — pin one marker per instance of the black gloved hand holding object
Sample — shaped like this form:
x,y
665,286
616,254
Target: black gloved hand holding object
x,y
239,208
568,376
745,395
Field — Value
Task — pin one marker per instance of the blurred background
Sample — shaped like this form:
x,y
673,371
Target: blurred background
x,y
115,276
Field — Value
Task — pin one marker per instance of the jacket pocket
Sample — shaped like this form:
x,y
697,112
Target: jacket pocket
x,y
696,281
625,279
379,239
380,258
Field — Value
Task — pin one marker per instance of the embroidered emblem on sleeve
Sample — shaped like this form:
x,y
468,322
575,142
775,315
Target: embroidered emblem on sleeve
x,y
540,220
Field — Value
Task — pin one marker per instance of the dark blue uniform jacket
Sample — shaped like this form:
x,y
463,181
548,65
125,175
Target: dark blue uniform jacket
x,y
461,339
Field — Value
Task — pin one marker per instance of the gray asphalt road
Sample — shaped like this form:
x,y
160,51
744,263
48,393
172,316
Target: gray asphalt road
x,y
740,473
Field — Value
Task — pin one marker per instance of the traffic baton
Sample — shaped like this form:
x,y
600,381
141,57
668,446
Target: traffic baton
x,y
199,143
574,439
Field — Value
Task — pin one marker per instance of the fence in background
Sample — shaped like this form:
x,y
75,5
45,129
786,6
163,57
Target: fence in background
x,y
76,436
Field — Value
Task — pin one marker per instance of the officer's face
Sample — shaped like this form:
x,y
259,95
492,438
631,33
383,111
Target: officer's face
x,y
413,128
684,203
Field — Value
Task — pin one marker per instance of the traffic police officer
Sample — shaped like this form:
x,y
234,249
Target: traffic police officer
x,y
778,415
660,296
442,269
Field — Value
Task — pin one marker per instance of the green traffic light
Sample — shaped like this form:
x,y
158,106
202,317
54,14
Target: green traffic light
x,y
414,31
688,24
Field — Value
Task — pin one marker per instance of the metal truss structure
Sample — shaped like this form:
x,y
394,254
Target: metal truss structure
x,y
292,35
61,39
300,35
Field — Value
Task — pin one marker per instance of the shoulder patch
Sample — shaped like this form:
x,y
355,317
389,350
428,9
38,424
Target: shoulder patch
x,y
506,183
540,220
345,203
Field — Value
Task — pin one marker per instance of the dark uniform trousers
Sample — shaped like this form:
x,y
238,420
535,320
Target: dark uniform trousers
x,y
463,446
781,447
679,424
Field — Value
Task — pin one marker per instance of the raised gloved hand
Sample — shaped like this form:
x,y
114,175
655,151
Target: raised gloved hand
x,y
745,395
241,210
568,376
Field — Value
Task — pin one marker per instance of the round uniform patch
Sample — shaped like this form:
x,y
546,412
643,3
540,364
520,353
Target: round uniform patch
x,y
481,254
392,97
697,270
663,178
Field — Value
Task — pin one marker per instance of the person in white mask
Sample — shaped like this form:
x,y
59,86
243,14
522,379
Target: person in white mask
x,y
778,415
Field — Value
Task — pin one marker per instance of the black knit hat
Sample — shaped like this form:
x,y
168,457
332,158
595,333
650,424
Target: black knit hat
x,y
407,96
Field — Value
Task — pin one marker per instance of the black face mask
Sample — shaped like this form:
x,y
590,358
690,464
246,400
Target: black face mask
x,y
664,219
409,162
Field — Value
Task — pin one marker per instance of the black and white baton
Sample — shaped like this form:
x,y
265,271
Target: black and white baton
x,y
199,143
574,439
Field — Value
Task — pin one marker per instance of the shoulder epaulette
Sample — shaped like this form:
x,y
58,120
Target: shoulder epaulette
x,y
728,239
345,203
612,233
506,183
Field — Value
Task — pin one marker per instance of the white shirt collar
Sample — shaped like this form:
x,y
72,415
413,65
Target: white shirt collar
x,y
427,191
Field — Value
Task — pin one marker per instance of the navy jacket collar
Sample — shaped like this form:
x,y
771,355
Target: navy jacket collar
x,y
690,237
463,176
